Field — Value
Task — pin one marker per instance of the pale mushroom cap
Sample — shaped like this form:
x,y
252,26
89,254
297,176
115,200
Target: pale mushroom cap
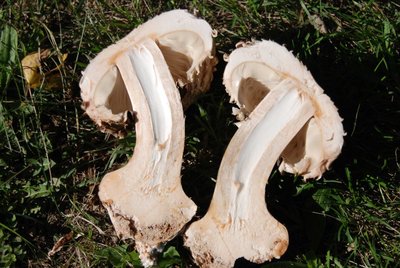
x,y
187,46
255,69
177,29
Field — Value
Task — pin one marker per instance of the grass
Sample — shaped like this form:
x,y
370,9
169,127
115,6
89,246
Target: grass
x,y
53,158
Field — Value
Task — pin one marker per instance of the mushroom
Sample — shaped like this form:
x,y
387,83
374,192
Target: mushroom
x,y
145,199
139,75
286,115
188,48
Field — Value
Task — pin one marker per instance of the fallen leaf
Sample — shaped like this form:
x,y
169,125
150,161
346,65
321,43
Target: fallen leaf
x,y
33,70
31,67
60,243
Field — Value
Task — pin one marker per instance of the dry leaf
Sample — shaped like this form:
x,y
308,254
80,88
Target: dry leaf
x,y
33,70
60,243
31,67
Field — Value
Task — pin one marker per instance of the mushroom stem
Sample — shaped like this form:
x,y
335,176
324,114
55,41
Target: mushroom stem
x,y
145,199
237,223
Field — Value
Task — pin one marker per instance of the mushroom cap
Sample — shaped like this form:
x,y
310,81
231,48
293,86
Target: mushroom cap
x,y
188,48
256,69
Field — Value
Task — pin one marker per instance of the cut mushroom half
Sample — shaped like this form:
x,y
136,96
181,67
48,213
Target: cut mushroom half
x,y
139,76
145,199
187,45
279,99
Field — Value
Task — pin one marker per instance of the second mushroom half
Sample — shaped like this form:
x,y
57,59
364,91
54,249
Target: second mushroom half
x,y
285,116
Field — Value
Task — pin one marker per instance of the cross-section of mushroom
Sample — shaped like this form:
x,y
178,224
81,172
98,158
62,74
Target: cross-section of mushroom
x,y
284,109
188,48
140,74
145,199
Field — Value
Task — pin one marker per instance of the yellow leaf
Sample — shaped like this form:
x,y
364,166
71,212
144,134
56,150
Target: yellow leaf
x,y
35,76
31,67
